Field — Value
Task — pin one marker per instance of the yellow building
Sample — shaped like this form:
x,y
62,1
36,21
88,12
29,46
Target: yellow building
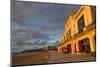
x,y
79,32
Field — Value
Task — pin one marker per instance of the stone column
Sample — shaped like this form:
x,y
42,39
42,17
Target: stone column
x,y
92,44
77,48
73,48
58,49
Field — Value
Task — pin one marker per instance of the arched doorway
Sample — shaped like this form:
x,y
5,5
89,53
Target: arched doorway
x,y
69,48
84,45
65,49
75,48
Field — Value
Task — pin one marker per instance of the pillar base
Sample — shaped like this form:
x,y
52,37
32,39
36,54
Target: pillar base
x,y
93,54
79,53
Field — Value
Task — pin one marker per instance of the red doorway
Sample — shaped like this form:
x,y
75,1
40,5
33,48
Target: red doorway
x,y
81,46
84,45
69,48
75,48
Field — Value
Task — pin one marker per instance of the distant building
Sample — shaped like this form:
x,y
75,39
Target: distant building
x,y
79,32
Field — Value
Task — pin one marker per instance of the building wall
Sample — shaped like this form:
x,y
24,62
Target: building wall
x,y
72,25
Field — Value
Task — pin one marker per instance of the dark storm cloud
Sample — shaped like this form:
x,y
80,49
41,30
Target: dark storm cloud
x,y
38,21
26,35
39,35
54,13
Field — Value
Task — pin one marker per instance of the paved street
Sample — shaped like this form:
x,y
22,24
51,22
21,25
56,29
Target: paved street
x,y
60,57
50,57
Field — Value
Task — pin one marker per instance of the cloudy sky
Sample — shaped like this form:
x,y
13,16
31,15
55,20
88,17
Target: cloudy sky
x,y
37,24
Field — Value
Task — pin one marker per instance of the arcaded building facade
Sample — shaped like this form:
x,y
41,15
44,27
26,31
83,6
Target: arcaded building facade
x,y
79,32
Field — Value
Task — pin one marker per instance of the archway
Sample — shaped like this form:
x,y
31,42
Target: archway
x,y
65,49
69,48
84,45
